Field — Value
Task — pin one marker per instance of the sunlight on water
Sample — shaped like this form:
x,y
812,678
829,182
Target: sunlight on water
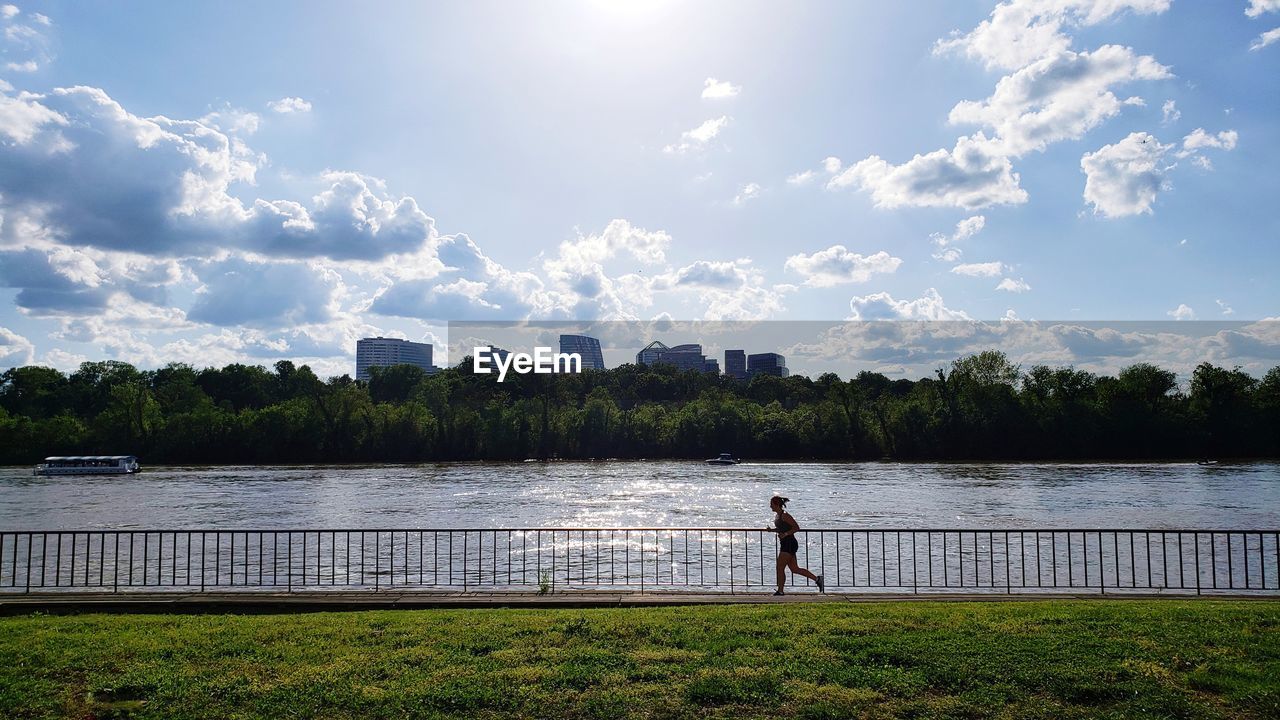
x,y
652,494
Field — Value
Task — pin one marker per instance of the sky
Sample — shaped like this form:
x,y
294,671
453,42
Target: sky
x,y
246,182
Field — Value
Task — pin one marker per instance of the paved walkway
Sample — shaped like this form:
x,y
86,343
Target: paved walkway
x,y
310,601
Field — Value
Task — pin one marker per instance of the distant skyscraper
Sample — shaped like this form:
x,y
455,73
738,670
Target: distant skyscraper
x,y
712,366
767,364
685,357
385,352
735,364
651,352
587,347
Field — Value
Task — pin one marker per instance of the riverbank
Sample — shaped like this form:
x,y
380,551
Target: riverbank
x,y
1095,658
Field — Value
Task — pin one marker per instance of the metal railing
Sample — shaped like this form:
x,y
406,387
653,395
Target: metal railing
x,y
644,559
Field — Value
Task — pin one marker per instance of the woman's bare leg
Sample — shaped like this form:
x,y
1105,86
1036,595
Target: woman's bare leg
x,y
783,560
797,570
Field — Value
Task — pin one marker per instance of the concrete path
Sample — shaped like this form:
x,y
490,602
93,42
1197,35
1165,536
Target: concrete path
x,y
249,601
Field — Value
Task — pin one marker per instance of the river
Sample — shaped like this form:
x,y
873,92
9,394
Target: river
x,y
651,494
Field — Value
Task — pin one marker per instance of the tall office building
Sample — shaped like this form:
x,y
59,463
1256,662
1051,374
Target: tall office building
x,y
385,352
735,364
588,348
688,356
767,364
651,352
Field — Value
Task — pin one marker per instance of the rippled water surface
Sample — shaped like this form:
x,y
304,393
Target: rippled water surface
x,y
651,494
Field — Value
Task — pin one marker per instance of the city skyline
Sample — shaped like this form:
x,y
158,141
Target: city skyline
x,y
1080,161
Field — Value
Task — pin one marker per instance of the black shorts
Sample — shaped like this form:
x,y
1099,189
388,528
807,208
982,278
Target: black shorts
x,y
790,545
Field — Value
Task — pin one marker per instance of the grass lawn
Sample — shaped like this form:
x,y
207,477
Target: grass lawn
x,y
1087,659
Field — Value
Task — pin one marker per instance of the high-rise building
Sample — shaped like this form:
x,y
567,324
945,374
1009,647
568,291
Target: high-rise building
x,y
688,356
711,366
767,364
735,364
651,352
385,352
588,348
685,357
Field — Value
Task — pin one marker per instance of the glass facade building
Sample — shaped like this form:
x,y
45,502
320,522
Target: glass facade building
x,y
588,348
767,364
385,352
735,364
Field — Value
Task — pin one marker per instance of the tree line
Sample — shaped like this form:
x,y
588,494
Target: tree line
x,y
980,407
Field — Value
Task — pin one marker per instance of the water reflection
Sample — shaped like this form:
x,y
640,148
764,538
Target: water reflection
x,y
652,494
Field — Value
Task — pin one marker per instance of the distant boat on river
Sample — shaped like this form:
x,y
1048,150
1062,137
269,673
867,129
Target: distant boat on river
x,y
88,465
724,459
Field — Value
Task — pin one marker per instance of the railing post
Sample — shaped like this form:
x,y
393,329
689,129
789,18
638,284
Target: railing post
x,y
1008,584
1102,564
1197,536
29,545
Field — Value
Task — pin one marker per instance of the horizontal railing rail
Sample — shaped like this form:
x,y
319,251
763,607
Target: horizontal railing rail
x,y
970,560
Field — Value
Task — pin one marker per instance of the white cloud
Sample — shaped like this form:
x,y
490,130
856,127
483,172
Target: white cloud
x,y
697,138
1059,97
969,227
1124,178
836,265
948,254
578,274
987,269
287,105
750,191
1020,32
25,42
730,289
234,121
22,118
15,350
831,165
801,178
470,286
1257,7
1182,312
1226,309
249,292
1052,94
713,89
1013,286
1169,112
882,306
1199,140
972,175
100,176
1265,39
965,229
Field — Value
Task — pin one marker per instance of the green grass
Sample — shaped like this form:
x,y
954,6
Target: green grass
x,y
1086,659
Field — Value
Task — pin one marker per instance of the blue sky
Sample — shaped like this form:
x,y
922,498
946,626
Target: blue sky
x,y
244,182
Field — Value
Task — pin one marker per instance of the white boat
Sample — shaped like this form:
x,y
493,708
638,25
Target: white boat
x,y
88,465
724,459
